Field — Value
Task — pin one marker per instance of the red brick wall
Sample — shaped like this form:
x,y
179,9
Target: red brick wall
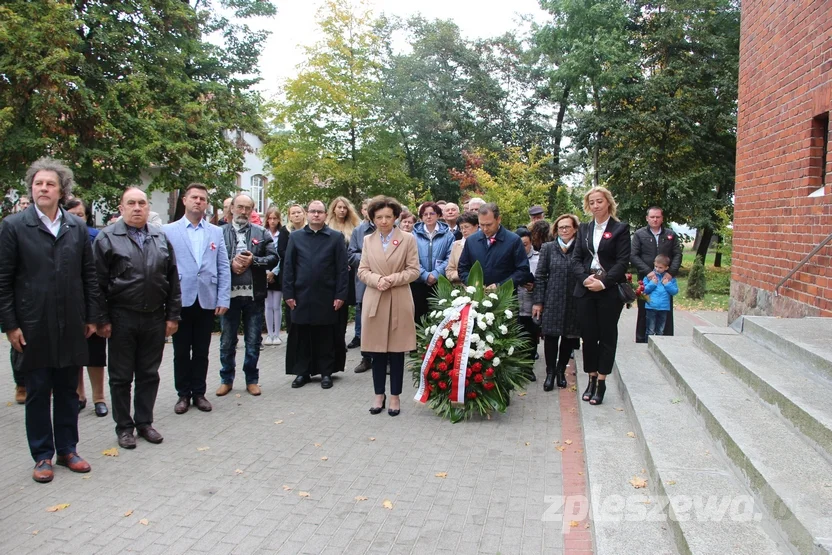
x,y
785,81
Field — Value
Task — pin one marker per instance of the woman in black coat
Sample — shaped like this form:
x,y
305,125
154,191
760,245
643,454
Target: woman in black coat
x,y
599,262
554,302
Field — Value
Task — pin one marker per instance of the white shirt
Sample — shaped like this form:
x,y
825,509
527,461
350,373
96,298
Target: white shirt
x,y
596,240
52,226
196,234
656,235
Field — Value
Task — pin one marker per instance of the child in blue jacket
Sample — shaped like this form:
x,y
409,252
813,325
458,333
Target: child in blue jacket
x,y
659,292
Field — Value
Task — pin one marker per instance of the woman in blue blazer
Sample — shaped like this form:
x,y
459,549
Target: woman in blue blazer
x,y
600,259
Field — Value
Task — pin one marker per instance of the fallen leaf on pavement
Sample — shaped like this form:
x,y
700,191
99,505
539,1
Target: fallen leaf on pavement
x,y
278,421
303,493
144,522
676,401
631,434
202,448
111,452
579,450
237,396
638,482
560,448
387,504
360,498
324,458
9,404
568,442
35,532
573,523
56,508
671,482
580,473
372,439
316,444
441,474
238,471
527,444
523,394
619,409
573,388
128,513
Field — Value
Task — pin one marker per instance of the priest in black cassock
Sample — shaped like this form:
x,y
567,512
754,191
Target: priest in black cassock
x,y
315,280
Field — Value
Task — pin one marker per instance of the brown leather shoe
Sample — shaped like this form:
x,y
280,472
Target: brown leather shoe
x,y
20,394
127,440
253,389
224,389
150,434
202,403
363,366
74,462
181,406
43,472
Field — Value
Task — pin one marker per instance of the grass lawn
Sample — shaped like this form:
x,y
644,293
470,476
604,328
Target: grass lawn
x,y
717,284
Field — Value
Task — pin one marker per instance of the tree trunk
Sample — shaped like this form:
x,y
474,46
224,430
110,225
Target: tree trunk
x,y
718,255
704,242
558,139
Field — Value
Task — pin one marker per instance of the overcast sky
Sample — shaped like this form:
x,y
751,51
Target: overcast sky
x,y
294,25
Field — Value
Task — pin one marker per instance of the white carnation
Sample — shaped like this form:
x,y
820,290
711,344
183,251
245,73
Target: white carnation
x,y
471,289
511,350
489,317
432,329
455,329
509,314
445,333
503,329
482,346
489,338
475,338
474,304
495,362
455,293
449,343
487,304
494,296
481,325
442,301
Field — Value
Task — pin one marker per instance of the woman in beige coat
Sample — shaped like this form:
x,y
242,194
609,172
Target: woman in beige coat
x,y
389,263
468,223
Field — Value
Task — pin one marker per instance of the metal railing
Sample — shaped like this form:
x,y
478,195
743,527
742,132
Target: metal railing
x,y
801,263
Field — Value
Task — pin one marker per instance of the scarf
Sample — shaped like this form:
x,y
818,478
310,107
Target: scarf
x,y
565,246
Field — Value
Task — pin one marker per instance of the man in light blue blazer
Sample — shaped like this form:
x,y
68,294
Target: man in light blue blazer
x,y
205,278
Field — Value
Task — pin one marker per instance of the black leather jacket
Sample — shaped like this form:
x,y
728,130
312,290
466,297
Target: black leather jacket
x,y
261,245
143,280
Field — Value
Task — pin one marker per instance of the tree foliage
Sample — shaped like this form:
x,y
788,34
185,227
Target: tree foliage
x,y
119,88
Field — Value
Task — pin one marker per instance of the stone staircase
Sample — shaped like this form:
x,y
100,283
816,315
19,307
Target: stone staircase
x,y
735,428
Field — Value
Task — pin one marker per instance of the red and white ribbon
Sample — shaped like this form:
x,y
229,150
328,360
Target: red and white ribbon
x,y
460,351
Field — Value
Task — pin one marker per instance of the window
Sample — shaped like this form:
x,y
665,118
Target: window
x,y
258,187
819,152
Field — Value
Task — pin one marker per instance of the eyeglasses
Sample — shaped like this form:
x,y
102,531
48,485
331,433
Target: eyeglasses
x,y
428,214
565,227
317,211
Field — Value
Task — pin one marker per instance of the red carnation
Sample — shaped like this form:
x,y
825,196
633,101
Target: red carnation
x,y
428,388
449,359
488,385
443,385
477,366
435,375
478,378
489,372
628,277
441,352
442,366
489,354
468,373
467,383
471,394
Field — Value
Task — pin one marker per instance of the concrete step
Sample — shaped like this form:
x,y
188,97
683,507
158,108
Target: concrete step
x,y
790,478
800,395
807,340
709,508
605,439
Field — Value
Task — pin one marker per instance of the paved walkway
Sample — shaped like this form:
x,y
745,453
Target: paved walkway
x,y
236,480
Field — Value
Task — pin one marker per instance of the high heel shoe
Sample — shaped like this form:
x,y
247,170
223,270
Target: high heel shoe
x,y
377,410
590,389
393,412
598,398
549,382
561,378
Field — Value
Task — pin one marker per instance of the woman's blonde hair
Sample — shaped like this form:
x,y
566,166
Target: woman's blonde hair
x,y
607,195
290,226
272,209
350,222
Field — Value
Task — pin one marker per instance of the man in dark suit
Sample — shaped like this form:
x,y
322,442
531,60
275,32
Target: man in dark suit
x,y
499,251
649,242
49,306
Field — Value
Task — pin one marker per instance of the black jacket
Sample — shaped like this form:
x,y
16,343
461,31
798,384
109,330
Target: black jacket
x,y
643,252
613,254
315,274
280,248
48,289
503,261
259,243
139,279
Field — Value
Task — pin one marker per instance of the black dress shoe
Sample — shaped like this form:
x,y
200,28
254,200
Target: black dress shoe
x,y
82,404
202,403
377,410
326,382
561,378
101,409
549,382
356,342
182,405
127,440
150,434
300,381
393,412
532,377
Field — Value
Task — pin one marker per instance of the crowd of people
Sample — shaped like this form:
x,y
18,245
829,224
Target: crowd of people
x,y
74,296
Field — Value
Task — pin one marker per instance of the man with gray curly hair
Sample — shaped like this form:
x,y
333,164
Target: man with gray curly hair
x,y
49,306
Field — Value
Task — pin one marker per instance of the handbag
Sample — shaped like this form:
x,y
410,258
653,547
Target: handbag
x,y
626,294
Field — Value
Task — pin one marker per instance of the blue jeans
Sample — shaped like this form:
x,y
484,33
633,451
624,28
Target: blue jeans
x,y
358,320
251,312
655,321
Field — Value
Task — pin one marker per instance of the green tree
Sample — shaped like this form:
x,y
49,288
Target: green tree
x,y
338,142
119,90
696,280
563,203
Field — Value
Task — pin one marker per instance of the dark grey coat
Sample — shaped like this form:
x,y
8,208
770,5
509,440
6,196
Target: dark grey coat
x,y
554,283
644,250
48,289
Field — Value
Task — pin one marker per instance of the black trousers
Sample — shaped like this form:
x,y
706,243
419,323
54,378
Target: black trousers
x,y
598,315
421,292
341,341
641,322
557,357
191,344
42,386
380,361
532,331
313,350
135,350
18,374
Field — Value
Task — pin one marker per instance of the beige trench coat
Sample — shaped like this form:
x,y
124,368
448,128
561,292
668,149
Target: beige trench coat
x,y
452,269
387,324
